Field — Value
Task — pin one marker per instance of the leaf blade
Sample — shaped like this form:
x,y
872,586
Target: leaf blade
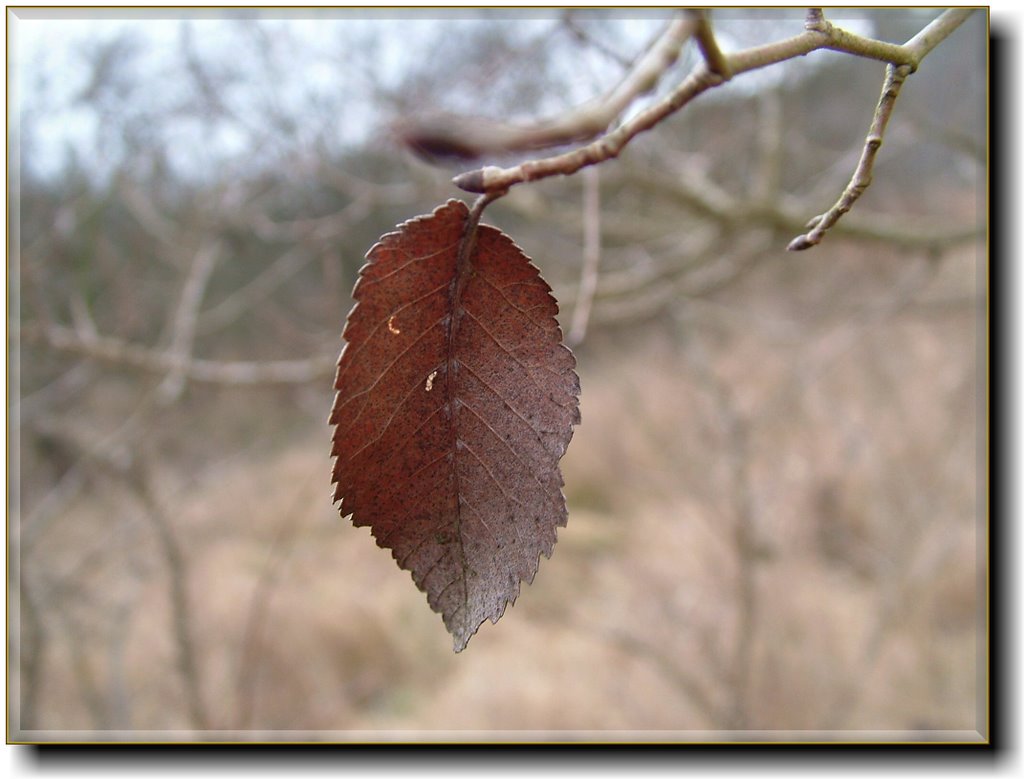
x,y
455,400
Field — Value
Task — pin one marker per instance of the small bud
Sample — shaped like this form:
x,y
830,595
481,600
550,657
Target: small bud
x,y
799,243
472,181
480,181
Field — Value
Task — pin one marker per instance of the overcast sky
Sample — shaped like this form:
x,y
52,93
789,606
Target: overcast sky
x,y
308,54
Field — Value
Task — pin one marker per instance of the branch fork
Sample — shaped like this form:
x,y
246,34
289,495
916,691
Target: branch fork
x,y
714,69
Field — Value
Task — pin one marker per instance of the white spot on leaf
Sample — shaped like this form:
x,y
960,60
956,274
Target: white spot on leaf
x,y
391,326
430,381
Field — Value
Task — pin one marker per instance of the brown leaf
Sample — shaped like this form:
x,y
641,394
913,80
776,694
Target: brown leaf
x,y
455,401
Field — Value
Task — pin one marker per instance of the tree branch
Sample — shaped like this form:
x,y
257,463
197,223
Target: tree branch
x,y
120,352
936,32
254,624
591,257
820,34
184,327
474,137
894,78
260,286
182,613
915,49
708,45
697,192
585,38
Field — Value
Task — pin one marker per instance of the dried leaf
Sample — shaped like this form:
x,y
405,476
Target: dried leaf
x,y
455,401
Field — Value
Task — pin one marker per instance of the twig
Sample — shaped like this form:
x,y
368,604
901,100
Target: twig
x,y
82,664
591,257
748,556
474,137
120,352
609,146
814,18
182,620
708,45
697,192
918,46
126,468
587,39
819,34
841,40
302,233
644,76
183,331
315,229
147,215
748,549
281,547
259,287
771,130
936,32
80,316
111,451
689,684
137,477
894,78
58,392
29,655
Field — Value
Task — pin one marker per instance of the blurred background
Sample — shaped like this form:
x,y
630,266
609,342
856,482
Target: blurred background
x,y
777,496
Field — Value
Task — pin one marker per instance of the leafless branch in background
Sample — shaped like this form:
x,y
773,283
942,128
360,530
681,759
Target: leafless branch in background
x,y
767,184
749,549
116,351
580,34
255,622
183,328
182,620
474,137
121,463
30,655
591,257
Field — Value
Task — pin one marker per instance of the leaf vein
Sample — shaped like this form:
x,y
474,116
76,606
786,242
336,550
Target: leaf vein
x,y
351,359
410,260
380,378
